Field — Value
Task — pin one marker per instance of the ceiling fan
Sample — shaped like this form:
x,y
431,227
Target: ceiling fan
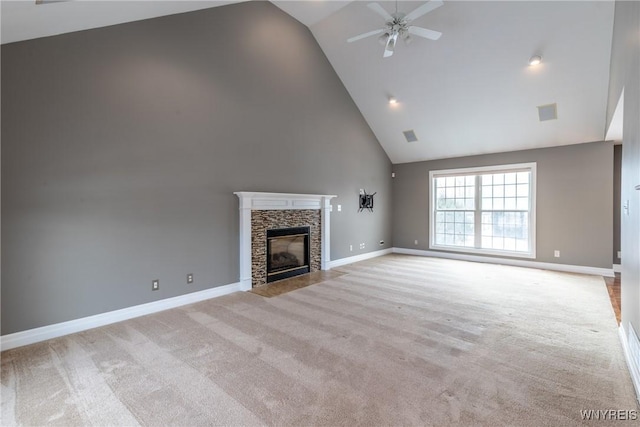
x,y
397,26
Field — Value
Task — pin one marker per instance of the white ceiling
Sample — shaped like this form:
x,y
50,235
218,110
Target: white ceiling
x,y
471,92
310,12
24,19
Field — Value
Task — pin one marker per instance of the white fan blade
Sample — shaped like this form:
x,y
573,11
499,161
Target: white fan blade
x,y
391,44
380,11
423,32
362,36
422,10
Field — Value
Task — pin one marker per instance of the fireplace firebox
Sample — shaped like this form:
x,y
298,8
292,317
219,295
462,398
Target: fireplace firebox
x,y
287,253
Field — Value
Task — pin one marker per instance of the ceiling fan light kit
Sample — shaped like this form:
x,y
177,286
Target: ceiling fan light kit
x,y
535,60
398,25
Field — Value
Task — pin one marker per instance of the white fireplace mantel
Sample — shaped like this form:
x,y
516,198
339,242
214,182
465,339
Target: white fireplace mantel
x,y
280,201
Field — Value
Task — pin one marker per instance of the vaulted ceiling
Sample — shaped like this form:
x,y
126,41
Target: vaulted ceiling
x,y
470,92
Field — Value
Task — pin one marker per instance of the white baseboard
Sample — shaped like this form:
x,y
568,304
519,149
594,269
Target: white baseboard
x,y
631,347
607,272
43,333
356,258
617,268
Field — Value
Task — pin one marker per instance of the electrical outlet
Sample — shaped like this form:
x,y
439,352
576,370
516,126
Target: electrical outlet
x,y
415,242
350,248
361,245
556,253
189,278
619,255
339,208
155,285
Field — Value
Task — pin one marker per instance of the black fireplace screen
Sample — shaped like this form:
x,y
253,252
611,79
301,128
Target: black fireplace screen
x,y
287,252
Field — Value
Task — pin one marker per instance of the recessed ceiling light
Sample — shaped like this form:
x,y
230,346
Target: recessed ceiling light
x,y
535,60
392,100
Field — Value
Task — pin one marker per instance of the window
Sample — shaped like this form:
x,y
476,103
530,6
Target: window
x,y
488,210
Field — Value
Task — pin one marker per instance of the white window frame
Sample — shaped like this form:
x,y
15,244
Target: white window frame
x,y
518,167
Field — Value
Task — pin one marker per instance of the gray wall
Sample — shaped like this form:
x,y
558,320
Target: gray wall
x,y
625,74
617,180
122,147
574,201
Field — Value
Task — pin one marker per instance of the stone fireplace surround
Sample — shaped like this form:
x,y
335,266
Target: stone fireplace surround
x,y
262,211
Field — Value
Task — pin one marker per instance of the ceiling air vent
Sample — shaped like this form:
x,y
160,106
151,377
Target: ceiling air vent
x,y
548,112
410,135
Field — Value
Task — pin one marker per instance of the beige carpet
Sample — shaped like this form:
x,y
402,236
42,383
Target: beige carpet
x,y
398,340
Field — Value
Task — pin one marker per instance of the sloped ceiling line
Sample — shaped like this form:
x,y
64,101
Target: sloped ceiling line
x,y
470,92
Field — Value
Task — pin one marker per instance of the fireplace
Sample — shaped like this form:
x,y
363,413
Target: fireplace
x,y
287,253
263,213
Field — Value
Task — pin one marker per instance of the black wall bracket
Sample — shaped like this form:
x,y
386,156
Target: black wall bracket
x,y
366,201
